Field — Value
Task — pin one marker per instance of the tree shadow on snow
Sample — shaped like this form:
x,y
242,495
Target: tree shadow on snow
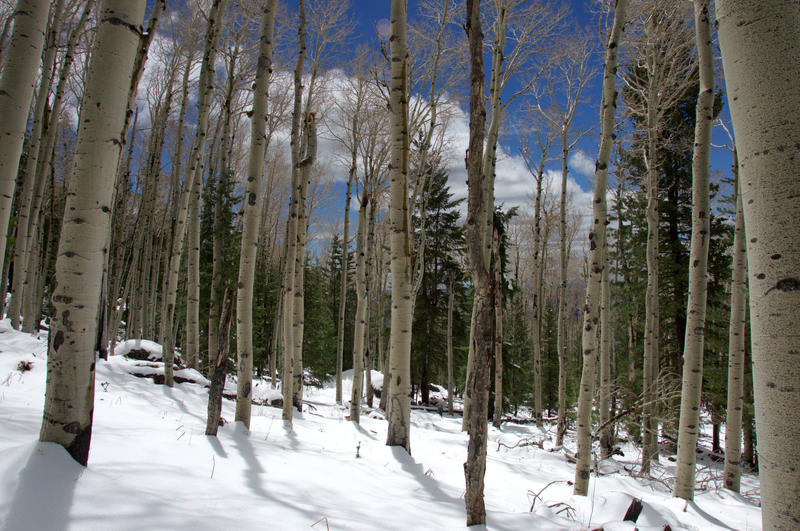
x,y
416,470
708,518
50,475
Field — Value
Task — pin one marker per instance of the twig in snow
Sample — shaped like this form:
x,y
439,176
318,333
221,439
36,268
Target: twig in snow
x,y
325,519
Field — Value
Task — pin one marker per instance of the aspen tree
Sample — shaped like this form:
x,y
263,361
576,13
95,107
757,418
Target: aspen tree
x,y
760,44
564,88
30,305
69,397
481,335
289,326
689,427
736,346
16,90
545,137
309,153
597,254
359,332
193,171
251,217
659,79
399,432
27,172
532,25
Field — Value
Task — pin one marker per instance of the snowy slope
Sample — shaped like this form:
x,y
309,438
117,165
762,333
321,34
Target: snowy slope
x,y
152,467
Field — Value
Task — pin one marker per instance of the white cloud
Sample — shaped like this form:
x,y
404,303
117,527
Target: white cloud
x,y
581,163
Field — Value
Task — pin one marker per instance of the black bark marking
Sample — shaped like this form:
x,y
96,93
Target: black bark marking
x,y
58,340
116,21
786,285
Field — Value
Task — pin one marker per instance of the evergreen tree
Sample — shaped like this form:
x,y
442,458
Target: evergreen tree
x,y
444,241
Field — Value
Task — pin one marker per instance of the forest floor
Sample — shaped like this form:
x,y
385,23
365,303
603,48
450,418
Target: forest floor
x,y
152,467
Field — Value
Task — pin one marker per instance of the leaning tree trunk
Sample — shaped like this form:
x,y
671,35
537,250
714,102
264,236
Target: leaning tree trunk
x,y
689,426
16,90
69,397
193,171
760,43
251,219
399,432
30,302
736,346
597,254
28,170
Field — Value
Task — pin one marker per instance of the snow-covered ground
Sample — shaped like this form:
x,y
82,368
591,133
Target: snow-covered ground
x,y
152,467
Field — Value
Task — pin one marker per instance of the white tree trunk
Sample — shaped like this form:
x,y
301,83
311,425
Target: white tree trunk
x,y
736,348
760,43
69,394
193,172
289,328
689,426
16,90
28,171
303,213
251,218
343,284
360,328
597,254
399,432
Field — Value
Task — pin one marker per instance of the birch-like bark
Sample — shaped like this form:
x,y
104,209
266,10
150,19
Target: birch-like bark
x,y
561,340
597,255
191,350
689,427
49,130
251,218
545,142
345,260
606,337
736,347
69,394
287,379
27,172
652,310
309,145
760,43
360,329
194,171
16,90
399,432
